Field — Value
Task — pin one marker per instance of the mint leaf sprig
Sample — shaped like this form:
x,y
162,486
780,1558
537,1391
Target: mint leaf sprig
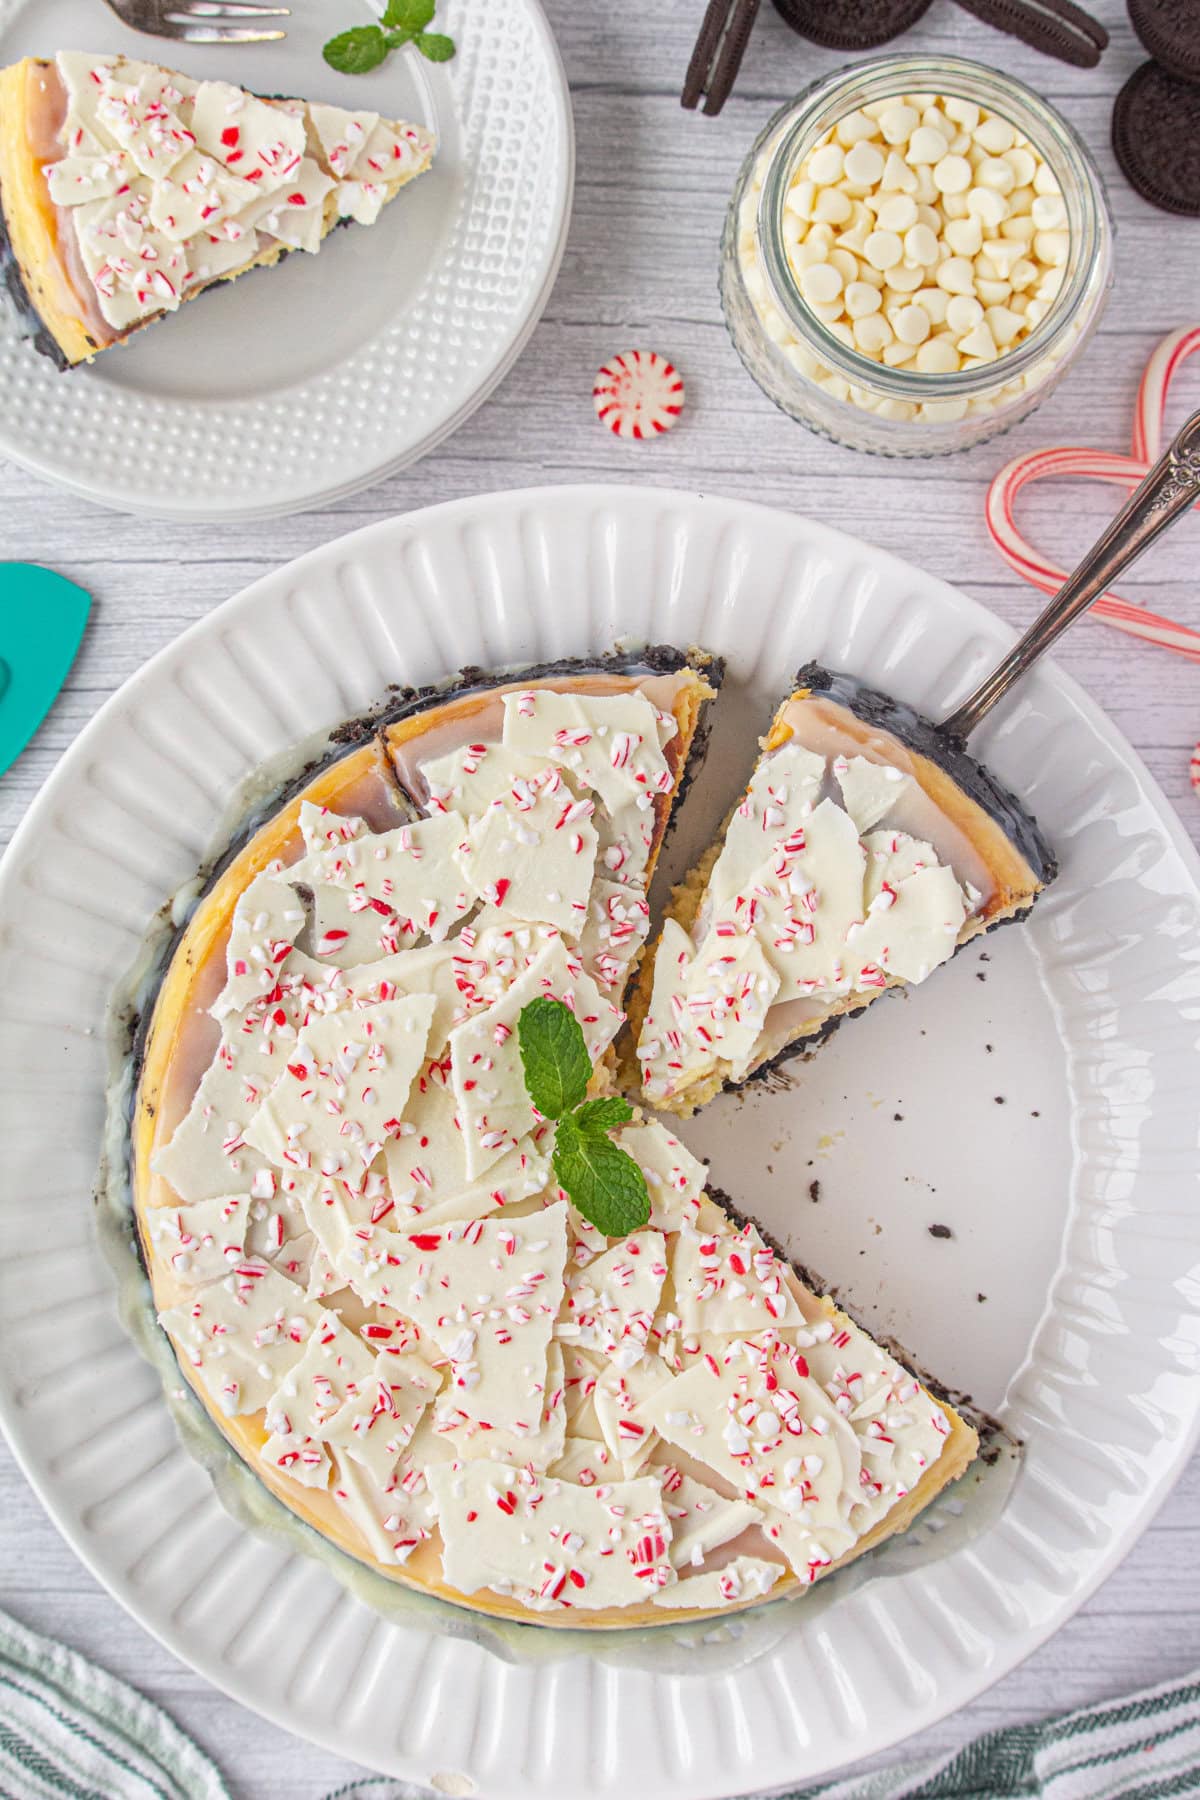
x,y
602,1179
364,47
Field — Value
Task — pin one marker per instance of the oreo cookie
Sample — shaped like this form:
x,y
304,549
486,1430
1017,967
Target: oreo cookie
x,y
1156,138
1056,27
717,57
1170,31
850,24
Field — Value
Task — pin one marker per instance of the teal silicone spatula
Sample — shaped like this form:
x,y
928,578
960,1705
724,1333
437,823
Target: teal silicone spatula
x,y
42,619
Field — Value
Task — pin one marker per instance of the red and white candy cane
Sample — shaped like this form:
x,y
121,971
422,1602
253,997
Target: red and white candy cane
x,y
1101,465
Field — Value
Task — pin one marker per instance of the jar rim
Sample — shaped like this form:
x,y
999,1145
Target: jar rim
x,y
1056,141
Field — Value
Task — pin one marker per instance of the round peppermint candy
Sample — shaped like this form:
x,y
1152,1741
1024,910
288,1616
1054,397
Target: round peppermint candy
x,y
639,394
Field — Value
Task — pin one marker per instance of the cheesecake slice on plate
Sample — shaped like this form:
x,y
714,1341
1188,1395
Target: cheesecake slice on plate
x,y
865,851
127,189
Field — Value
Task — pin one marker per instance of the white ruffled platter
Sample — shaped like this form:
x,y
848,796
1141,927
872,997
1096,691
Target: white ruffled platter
x,y
1036,1099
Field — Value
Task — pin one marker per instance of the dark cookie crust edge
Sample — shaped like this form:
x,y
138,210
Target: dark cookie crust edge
x,y
921,735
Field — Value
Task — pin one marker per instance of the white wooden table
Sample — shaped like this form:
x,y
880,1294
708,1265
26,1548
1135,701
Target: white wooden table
x,y
640,269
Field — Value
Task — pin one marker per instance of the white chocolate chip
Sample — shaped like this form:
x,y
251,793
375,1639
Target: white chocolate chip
x,y
1052,247
995,135
905,278
898,122
845,264
989,207
1049,212
965,236
825,164
952,175
883,248
921,246
864,164
978,343
995,172
926,145
861,299
896,212
897,176
963,312
937,356
832,206
912,325
853,128
956,275
872,333
963,112
821,284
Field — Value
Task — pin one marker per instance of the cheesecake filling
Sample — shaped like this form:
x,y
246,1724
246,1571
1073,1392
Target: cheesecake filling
x,y
837,876
358,1238
161,184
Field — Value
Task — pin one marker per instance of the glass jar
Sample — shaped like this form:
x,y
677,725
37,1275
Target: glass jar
x,y
830,386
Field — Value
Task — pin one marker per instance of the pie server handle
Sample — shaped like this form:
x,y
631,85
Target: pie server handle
x,y
1170,489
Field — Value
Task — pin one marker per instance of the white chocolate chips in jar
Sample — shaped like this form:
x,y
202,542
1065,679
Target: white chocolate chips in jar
x,y
929,236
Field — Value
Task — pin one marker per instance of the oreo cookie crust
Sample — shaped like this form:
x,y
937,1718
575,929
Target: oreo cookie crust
x,y
1156,139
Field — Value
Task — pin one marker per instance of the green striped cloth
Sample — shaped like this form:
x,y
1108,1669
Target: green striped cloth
x,y
69,1731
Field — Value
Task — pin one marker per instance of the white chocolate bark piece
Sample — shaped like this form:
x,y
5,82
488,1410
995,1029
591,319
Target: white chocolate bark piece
x,y
242,1334
674,1177
549,1542
485,1059
704,1005
611,744
619,1394
262,143
745,1578
392,1521
385,891
869,789
461,1436
701,1518
427,1166
617,926
333,1106
467,780
267,920
375,1429
533,851
727,1282
610,1303
204,1241
783,790
750,1415
487,1293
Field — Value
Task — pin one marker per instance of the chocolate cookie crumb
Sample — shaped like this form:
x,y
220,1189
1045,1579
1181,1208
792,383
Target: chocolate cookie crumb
x,y
814,1192
940,1231
981,1298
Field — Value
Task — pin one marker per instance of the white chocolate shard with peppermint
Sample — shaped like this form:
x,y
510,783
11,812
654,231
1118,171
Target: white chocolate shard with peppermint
x,y
549,1540
357,1238
240,1335
127,189
333,1105
744,1578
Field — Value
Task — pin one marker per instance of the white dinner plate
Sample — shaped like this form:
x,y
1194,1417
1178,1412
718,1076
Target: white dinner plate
x,y
311,380
1037,1099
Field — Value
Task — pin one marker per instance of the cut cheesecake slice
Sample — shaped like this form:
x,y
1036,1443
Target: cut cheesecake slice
x,y
126,189
864,852
355,1242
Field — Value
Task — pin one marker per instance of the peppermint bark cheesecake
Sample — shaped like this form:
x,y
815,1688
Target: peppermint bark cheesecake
x,y
127,189
866,850
372,1250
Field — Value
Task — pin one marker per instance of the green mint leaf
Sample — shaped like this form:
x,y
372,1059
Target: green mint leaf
x,y
410,15
435,46
356,51
606,1185
399,35
554,1056
604,1114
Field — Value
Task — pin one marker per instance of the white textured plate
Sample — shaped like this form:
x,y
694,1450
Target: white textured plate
x,y
316,378
1073,1203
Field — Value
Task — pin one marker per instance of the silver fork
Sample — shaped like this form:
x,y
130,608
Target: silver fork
x,y
202,21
